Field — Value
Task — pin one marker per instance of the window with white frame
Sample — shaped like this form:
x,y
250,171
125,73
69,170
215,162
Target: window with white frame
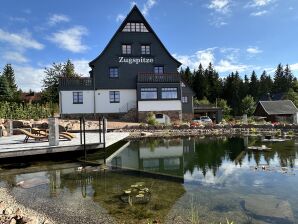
x,y
148,93
158,69
126,49
169,93
77,97
145,49
113,72
135,27
114,96
184,99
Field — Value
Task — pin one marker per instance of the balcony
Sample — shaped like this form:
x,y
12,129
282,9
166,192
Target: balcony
x,y
159,78
82,83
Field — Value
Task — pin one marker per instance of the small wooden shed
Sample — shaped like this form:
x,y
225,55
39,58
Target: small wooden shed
x,y
277,111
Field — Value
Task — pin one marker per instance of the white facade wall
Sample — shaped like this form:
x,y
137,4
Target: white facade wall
x,y
67,106
160,105
128,100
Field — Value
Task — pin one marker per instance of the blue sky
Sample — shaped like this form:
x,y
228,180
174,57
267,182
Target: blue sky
x,y
241,35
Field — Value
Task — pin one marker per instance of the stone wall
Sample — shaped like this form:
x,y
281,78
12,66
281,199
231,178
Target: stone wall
x,y
174,115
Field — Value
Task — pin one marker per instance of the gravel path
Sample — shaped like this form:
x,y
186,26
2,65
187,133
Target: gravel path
x,y
11,211
60,208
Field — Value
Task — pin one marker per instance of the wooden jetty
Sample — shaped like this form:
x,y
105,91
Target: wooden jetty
x,y
13,146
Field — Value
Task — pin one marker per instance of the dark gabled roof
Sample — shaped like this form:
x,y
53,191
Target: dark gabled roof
x,y
134,9
279,107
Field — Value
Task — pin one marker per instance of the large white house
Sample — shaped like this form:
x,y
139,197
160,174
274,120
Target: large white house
x,y
135,72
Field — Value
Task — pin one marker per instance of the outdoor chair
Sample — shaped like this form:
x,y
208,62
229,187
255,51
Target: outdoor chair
x,y
31,135
62,135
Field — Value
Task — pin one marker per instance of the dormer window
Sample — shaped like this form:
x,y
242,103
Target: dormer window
x,y
126,49
135,27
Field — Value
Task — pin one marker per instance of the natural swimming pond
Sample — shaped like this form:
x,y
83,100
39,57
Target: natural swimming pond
x,y
182,180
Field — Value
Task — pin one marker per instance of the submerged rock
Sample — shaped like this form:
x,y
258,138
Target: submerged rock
x,y
267,209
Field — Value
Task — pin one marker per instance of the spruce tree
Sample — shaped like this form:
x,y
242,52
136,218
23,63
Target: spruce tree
x,y
266,85
254,85
187,76
199,83
279,86
9,75
288,78
5,93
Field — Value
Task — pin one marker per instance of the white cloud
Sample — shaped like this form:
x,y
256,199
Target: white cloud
x,y
145,9
221,6
11,56
220,12
120,17
22,40
294,67
58,18
82,66
147,6
228,66
224,60
132,4
70,39
259,13
218,21
28,77
203,57
253,50
262,2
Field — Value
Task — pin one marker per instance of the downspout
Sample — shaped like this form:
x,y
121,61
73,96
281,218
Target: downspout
x,y
94,100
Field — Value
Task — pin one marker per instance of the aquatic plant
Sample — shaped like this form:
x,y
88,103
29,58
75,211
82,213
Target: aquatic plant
x,y
194,214
291,133
136,194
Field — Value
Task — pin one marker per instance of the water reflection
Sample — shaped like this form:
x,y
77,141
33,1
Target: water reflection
x,y
180,157
218,176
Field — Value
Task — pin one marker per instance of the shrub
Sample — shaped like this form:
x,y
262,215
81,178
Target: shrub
x,y
151,119
13,110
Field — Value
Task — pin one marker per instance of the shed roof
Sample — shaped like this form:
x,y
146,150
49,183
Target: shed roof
x,y
279,107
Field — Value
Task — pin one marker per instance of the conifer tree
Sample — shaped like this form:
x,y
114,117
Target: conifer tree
x,y
187,76
199,83
254,85
288,77
9,75
266,84
8,72
5,93
247,105
278,86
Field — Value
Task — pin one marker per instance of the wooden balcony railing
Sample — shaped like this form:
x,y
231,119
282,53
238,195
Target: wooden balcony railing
x,y
75,83
159,78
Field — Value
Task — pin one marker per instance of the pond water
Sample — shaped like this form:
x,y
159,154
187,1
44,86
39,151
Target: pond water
x,y
182,180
